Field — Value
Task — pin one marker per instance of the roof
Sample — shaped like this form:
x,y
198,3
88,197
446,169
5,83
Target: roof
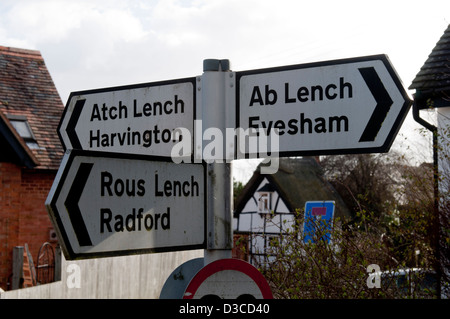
x,y
297,180
27,92
433,79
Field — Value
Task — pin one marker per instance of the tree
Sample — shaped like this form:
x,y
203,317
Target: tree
x,y
365,181
394,192
339,269
392,227
237,189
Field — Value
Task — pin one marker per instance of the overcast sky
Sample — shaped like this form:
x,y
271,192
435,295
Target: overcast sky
x,y
91,44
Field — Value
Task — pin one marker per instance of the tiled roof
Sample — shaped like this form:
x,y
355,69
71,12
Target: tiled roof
x,y
434,76
27,90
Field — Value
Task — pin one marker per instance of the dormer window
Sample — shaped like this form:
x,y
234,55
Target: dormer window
x,y
22,127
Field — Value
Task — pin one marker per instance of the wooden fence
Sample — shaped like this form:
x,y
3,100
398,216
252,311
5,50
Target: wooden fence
x,y
138,276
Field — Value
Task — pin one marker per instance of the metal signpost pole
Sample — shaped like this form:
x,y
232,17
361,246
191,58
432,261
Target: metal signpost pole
x,y
109,193
219,181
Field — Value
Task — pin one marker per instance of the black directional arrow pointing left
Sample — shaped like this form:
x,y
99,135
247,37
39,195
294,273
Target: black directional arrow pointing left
x,y
71,133
384,103
71,203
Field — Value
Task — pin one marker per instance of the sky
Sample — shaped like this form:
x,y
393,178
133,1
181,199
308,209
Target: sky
x,y
90,44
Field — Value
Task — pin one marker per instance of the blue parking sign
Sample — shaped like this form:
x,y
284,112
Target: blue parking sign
x,y
318,217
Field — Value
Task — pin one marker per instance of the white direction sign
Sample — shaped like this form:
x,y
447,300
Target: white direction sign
x,y
109,206
353,105
135,119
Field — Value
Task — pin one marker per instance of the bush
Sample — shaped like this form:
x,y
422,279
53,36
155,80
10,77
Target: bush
x,y
336,269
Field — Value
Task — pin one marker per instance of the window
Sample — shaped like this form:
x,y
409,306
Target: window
x,y
22,127
263,204
264,195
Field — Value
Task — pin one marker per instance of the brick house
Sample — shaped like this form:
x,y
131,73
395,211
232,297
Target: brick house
x,y
30,110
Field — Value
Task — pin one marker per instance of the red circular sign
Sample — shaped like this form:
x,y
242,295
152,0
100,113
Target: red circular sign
x,y
228,278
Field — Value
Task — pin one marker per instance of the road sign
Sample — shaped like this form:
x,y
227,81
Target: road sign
x,y
352,105
178,280
135,119
103,204
228,279
318,217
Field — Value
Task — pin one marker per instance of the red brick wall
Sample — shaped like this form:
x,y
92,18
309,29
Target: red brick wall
x,y
23,216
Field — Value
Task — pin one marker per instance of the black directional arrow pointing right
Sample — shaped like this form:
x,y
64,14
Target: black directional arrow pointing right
x,y
383,100
72,207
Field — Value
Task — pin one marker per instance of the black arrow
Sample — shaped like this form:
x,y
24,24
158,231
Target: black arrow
x,y
71,133
72,207
383,100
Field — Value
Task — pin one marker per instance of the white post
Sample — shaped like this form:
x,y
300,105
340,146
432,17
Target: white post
x,y
443,119
215,114
442,214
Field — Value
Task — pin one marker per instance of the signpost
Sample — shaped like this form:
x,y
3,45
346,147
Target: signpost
x,y
118,191
107,205
135,119
335,107
318,219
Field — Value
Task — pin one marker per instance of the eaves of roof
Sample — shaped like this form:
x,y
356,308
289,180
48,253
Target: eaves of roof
x,y
433,79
